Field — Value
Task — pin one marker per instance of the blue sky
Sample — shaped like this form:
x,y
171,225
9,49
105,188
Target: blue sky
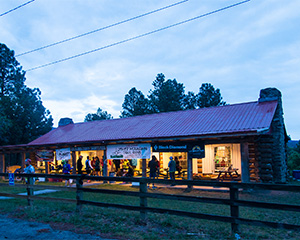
x,y
240,50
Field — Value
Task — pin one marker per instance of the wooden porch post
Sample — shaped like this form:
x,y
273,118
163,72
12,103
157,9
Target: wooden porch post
x,y
73,156
23,157
189,169
245,162
144,168
105,169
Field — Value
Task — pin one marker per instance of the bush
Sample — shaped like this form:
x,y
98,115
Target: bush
x,y
293,157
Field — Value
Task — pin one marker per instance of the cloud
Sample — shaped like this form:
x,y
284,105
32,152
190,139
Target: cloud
x,y
77,109
239,51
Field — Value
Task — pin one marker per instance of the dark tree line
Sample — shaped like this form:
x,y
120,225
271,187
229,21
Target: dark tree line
x,y
99,115
169,95
23,117
166,96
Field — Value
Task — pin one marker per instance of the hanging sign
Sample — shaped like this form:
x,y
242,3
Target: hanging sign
x,y
129,151
195,149
170,147
63,154
44,155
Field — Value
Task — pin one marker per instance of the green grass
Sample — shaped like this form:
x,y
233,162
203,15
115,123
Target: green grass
x,y
123,224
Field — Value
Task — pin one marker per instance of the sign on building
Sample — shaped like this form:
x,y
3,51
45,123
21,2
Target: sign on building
x,y
63,154
129,151
194,149
44,155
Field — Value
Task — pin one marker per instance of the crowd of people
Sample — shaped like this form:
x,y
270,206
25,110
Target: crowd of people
x,y
122,168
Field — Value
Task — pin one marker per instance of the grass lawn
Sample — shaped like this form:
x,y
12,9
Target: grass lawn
x,y
123,224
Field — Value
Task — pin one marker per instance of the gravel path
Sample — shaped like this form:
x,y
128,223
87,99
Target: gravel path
x,y
11,228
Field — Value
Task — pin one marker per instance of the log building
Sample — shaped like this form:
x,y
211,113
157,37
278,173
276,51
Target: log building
x,y
248,137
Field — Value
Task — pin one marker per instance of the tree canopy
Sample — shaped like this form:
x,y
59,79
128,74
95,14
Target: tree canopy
x,y
135,103
22,114
208,96
169,95
166,96
99,115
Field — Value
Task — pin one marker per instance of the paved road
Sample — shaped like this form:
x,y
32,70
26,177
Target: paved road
x,y
19,229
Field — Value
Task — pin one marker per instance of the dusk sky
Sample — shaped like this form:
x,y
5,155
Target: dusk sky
x,y
240,50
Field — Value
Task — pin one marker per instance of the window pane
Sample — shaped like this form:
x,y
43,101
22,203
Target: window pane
x,y
222,157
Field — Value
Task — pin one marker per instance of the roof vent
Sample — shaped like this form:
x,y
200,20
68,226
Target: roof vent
x,y
269,94
65,121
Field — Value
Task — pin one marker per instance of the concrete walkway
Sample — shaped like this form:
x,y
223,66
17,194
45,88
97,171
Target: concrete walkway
x,y
35,193
135,184
158,186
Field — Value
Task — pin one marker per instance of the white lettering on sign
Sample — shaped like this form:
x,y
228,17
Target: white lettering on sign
x,y
63,154
130,151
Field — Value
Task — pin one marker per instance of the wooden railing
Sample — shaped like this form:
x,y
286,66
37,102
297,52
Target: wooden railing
x,y
233,201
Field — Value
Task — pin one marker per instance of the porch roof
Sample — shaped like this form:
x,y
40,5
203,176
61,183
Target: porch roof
x,y
244,118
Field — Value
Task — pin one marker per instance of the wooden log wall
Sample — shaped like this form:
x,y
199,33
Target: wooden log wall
x,y
253,163
265,158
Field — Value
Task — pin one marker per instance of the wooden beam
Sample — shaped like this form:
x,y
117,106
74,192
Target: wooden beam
x,y
73,156
23,157
245,162
144,168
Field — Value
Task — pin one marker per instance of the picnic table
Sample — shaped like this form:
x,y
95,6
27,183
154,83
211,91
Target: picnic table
x,y
229,174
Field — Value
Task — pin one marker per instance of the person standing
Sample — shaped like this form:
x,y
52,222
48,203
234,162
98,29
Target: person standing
x,y
97,166
29,168
172,168
153,165
93,163
117,164
88,166
158,168
79,165
178,167
66,170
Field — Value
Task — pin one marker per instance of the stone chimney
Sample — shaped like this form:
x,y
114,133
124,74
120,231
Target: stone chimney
x,y
278,137
65,121
269,94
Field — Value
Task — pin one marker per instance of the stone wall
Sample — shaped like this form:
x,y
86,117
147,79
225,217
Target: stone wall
x,y
271,147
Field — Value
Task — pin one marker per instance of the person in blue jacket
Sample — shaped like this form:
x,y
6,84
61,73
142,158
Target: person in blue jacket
x,y
172,168
66,170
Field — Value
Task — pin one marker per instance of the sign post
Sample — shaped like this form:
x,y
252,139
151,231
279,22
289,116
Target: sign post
x,y
11,177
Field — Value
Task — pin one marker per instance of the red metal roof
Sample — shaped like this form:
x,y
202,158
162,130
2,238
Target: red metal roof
x,y
229,119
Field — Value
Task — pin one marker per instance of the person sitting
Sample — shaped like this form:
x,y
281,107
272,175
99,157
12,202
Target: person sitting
x,y
130,171
119,173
